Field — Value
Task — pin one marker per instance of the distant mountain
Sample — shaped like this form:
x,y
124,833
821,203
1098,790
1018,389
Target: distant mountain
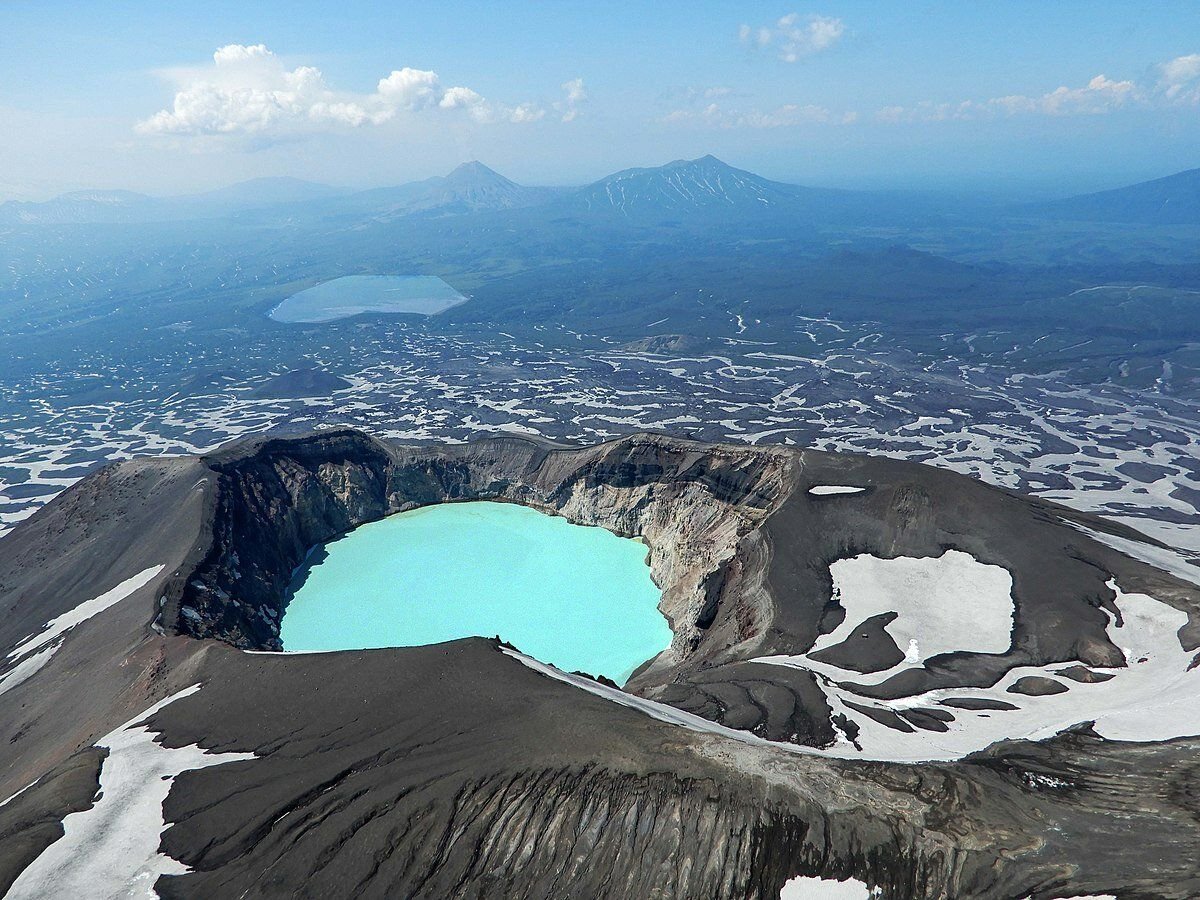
x,y
79,207
265,192
707,191
112,207
684,186
1174,200
472,187
704,192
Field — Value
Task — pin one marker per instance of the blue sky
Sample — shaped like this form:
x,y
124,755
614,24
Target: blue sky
x,y
1014,98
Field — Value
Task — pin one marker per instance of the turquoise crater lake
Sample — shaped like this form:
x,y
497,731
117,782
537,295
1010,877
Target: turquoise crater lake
x,y
577,597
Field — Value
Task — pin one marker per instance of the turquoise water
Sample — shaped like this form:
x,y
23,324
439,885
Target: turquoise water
x,y
579,598
353,295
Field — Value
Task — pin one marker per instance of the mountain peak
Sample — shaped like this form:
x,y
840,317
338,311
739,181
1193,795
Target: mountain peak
x,y
708,161
476,171
683,185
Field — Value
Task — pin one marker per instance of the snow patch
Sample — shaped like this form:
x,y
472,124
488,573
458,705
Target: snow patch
x,y
942,604
27,668
1170,561
1151,698
827,490
60,625
112,849
803,888
18,793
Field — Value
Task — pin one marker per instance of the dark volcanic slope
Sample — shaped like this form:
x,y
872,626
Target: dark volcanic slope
x,y
457,770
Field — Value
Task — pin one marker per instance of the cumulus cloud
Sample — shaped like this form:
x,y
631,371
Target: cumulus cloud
x,y
248,90
794,36
1180,80
1099,96
575,97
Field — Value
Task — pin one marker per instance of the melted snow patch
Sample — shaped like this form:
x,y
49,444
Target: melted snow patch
x,y
803,888
826,490
112,849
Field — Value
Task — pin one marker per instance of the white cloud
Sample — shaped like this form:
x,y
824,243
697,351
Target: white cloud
x,y
576,96
1181,79
415,89
927,111
794,36
1100,95
788,115
248,90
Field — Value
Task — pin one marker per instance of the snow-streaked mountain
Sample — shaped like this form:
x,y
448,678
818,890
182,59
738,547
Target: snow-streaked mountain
x,y
708,192
682,186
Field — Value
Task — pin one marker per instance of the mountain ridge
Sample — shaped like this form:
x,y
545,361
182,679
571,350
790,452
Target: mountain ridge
x,y
1170,200
700,189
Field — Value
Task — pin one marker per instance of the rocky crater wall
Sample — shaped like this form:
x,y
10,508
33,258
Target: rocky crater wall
x,y
697,508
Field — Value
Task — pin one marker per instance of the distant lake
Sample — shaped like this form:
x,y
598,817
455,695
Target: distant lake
x,y
353,295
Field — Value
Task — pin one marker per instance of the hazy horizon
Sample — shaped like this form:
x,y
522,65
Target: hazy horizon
x,y
1049,187
1020,100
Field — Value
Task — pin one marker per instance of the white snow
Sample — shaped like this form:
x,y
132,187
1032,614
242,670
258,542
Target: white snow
x,y
826,490
18,793
802,888
26,668
943,604
1151,698
112,849
1170,561
60,625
